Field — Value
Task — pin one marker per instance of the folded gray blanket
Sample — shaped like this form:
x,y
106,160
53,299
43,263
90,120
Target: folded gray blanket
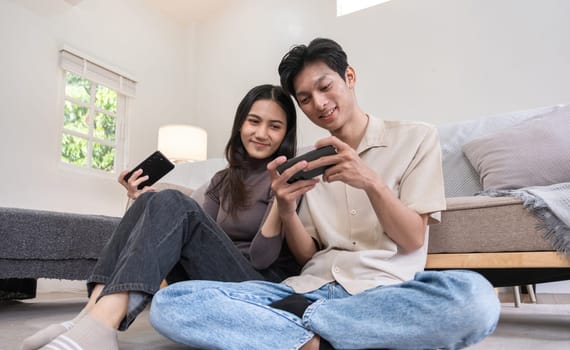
x,y
551,204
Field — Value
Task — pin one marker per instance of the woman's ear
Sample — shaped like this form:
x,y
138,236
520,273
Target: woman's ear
x,y
350,77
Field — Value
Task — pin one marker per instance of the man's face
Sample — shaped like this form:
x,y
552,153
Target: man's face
x,y
324,96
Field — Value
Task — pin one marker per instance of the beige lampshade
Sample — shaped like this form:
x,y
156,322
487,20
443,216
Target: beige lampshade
x,y
183,143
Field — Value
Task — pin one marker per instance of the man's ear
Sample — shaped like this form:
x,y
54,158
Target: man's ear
x,y
350,77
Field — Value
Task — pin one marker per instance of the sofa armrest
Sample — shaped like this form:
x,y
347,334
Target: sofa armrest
x,y
476,202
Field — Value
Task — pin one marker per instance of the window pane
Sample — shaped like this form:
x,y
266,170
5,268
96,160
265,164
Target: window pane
x,y
106,99
76,117
103,157
73,149
77,87
105,127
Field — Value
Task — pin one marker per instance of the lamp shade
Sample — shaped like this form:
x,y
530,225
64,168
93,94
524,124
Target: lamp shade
x,y
183,143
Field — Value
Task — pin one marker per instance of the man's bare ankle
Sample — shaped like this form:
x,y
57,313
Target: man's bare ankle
x,y
312,344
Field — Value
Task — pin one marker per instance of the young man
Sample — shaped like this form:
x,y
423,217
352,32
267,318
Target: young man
x,y
362,237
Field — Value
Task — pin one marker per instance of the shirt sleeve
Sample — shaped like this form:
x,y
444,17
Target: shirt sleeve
x,y
265,250
211,203
422,186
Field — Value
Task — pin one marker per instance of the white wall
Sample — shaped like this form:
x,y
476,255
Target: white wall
x,y
125,34
434,60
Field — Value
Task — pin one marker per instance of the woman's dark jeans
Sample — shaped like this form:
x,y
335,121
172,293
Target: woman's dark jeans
x,y
166,234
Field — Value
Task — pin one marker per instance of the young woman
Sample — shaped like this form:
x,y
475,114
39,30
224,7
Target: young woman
x,y
235,236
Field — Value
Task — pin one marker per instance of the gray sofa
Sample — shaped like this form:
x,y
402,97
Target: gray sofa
x,y
45,244
498,236
495,236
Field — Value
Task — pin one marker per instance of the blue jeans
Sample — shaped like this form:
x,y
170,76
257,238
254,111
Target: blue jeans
x,y
450,310
166,234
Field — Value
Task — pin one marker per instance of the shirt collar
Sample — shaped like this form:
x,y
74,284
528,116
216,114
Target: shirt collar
x,y
374,136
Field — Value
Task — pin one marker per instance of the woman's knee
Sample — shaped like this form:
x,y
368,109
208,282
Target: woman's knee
x,y
172,201
171,195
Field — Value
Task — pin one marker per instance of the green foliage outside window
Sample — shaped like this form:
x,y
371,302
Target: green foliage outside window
x,y
75,117
103,157
105,127
78,88
92,112
74,150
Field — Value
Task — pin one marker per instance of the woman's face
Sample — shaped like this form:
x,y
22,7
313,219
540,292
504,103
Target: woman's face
x,y
263,129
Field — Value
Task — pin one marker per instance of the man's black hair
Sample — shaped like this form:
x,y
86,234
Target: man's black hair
x,y
320,49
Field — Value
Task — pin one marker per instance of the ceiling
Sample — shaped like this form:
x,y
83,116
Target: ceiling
x,y
186,11
181,11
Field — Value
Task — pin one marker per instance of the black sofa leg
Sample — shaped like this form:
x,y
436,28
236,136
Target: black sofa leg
x,y
17,288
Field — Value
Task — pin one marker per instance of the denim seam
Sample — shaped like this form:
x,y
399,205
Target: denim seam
x,y
311,309
99,279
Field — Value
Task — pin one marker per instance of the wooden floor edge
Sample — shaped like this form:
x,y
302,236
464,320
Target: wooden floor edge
x,y
497,260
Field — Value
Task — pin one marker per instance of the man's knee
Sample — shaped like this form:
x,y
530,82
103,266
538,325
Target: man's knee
x,y
479,302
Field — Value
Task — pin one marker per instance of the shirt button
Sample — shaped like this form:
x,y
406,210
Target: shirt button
x,y
353,212
336,269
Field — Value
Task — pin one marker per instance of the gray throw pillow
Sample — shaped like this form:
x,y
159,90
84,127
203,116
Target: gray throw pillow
x,y
200,193
535,152
459,176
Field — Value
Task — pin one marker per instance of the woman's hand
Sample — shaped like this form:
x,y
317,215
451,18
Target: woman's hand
x,y
286,194
132,184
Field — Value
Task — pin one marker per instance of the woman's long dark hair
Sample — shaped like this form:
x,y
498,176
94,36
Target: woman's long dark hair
x,y
235,194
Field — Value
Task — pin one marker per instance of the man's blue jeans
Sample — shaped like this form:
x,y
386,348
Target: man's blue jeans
x,y
163,233
448,310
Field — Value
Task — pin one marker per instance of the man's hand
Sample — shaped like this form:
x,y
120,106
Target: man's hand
x,y
347,167
402,224
134,181
287,194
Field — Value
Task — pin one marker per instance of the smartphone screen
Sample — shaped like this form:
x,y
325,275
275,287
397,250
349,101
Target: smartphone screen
x,y
154,166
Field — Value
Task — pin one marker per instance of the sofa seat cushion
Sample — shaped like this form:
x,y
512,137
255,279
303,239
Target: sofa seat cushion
x,y
486,224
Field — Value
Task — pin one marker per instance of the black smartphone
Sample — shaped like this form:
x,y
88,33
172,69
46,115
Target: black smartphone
x,y
154,166
309,156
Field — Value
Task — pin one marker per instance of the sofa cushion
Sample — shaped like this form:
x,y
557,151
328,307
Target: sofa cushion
x,y
459,176
38,243
486,224
535,152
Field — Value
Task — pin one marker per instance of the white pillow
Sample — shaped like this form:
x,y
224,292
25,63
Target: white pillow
x,y
194,174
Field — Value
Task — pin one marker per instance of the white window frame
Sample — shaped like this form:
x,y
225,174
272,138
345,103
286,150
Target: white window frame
x,y
98,74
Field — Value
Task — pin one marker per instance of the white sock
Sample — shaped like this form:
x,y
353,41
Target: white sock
x,y
87,334
44,336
